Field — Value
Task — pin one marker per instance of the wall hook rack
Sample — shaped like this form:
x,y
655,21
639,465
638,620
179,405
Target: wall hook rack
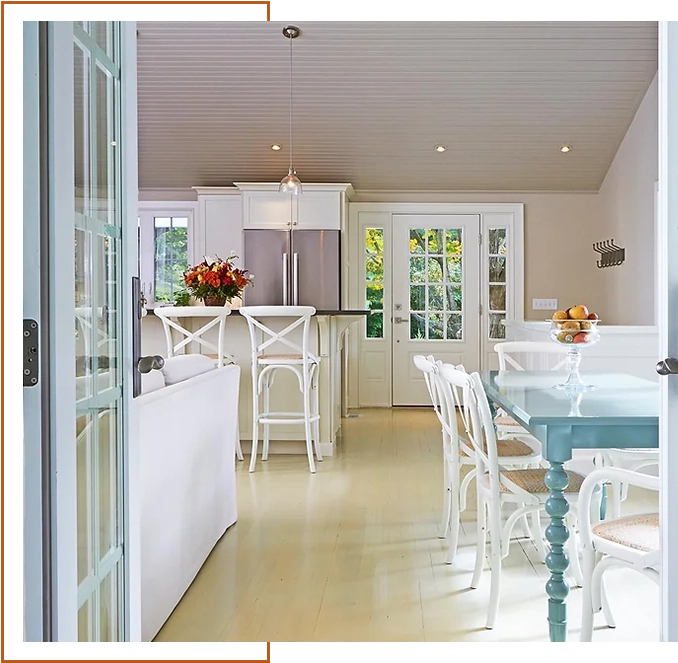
x,y
611,255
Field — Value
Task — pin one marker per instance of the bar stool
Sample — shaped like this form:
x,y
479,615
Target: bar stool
x,y
170,316
302,363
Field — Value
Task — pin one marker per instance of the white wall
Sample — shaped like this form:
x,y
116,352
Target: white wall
x,y
627,198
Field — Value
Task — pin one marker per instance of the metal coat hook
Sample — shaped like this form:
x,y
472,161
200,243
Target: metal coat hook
x,y
611,255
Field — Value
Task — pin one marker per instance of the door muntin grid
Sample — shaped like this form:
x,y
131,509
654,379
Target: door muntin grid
x,y
436,284
497,278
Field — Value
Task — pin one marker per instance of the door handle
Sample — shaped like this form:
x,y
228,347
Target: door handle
x,y
399,321
295,280
150,363
285,269
668,366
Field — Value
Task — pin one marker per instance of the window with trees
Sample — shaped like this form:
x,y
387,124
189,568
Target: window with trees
x,y
497,282
163,254
374,282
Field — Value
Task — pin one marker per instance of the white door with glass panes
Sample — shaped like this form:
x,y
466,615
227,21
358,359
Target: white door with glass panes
x,y
436,297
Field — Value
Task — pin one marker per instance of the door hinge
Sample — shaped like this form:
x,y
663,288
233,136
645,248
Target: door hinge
x,y
480,240
31,363
480,309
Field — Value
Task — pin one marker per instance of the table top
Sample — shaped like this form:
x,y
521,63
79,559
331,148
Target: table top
x,y
529,396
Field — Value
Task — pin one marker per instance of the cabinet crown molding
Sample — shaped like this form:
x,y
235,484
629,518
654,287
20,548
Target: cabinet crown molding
x,y
346,188
216,190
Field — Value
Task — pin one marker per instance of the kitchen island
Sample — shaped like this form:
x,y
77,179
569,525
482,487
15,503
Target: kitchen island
x,y
328,339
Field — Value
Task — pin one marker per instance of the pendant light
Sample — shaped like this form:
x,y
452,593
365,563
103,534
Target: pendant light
x,y
291,183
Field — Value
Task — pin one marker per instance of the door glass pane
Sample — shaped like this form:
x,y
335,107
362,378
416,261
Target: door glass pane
x,y
439,271
497,270
497,298
109,602
85,622
107,468
105,145
374,282
98,302
83,446
496,293
497,330
81,83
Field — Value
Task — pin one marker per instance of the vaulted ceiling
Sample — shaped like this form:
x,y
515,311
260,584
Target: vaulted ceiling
x,y
371,100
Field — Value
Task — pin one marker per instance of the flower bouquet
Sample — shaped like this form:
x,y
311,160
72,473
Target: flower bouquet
x,y
217,281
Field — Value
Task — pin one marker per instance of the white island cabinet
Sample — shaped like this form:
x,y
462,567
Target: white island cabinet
x,y
327,341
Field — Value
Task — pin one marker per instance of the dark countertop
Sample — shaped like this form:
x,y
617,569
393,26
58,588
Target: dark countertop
x,y
236,311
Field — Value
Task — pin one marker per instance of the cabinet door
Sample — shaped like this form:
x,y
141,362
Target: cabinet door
x,y
268,210
319,210
313,210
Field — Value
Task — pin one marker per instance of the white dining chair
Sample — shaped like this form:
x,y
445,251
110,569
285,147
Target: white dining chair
x,y
458,452
272,326
508,353
215,317
497,485
631,541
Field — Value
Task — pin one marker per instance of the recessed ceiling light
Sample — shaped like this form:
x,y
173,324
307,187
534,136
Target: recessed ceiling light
x,y
276,148
440,148
565,148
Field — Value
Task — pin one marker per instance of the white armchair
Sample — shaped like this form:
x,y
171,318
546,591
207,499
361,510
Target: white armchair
x,y
630,541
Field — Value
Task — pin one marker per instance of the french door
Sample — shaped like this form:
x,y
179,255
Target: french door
x,y
436,297
439,279
87,128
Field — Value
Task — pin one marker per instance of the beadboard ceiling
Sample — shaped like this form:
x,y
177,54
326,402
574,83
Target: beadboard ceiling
x,y
371,100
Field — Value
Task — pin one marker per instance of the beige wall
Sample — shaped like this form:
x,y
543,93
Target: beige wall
x,y
627,199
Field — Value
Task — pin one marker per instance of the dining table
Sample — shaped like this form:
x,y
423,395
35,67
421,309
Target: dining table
x,y
620,411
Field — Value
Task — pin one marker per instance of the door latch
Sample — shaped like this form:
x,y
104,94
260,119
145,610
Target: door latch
x,y
31,360
399,321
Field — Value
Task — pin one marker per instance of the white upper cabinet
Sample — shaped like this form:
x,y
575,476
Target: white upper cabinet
x,y
320,206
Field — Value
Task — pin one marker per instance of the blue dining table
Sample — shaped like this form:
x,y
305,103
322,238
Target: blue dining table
x,y
622,411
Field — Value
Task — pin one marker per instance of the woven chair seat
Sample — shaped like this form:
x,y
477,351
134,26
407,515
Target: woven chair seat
x,y
506,421
508,448
532,481
640,532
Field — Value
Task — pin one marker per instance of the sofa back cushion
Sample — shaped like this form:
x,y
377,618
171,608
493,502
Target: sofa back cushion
x,y
184,367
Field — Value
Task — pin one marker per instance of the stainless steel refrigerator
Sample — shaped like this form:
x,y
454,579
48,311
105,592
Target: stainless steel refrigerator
x,y
293,268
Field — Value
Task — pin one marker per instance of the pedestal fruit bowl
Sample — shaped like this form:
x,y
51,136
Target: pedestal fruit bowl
x,y
576,329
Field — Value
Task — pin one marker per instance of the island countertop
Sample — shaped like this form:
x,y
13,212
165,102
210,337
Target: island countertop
x,y
235,311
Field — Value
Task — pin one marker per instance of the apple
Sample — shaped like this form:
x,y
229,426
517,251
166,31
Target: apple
x,y
560,315
593,316
580,338
578,312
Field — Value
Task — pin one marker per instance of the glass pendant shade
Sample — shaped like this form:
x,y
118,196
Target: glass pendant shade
x,y
290,184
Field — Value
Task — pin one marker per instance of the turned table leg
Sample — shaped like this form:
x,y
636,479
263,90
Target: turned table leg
x,y
557,450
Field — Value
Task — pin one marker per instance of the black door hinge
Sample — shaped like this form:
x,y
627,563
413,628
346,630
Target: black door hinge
x,y
27,352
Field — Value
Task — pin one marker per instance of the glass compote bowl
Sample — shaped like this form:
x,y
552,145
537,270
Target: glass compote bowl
x,y
576,335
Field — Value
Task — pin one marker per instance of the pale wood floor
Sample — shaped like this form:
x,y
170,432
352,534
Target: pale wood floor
x,y
352,554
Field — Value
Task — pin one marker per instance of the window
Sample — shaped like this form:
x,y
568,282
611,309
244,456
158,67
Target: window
x,y
497,282
164,252
374,282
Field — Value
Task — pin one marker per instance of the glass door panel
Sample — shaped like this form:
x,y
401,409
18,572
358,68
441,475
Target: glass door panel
x,y
435,297
98,338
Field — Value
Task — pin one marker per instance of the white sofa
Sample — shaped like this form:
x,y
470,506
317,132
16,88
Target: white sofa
x,y
187,476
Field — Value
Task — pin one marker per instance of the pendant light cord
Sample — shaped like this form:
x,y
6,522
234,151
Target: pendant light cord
x,y
291,145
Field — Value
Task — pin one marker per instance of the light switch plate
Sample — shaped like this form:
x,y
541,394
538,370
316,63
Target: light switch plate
x,y
545,304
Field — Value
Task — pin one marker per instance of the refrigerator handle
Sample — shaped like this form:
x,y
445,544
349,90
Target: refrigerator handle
x,y
285,269
295,282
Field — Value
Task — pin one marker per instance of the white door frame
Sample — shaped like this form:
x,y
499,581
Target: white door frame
x,y
668,321
380,215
